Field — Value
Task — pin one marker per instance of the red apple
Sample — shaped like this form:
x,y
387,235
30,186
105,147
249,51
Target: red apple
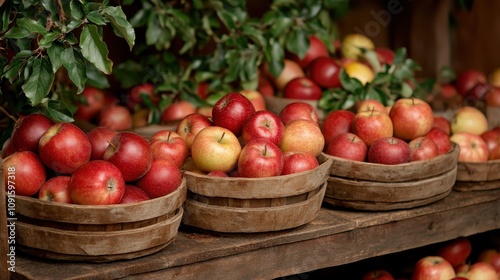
x,y
93,102
28,130
478,92
493,97
492,139
490,256
467,79
23,173
423,148
260,158
97,182
389,150
130,153
385,55
298,111
433,268
441,138
349,146
190,125
316,49
166,144
469,119
8,148
265,87
411,118
456,251
448,92
472,147
477,271
325,72
442,123
133,194
177,111
231,111
370,105
294,162
116,117
335,123
56,189
302,136
302,88
377,274
163,177
257,99
372,125
64,147
215,148
263,124
291,70
99,138
202,90
139,93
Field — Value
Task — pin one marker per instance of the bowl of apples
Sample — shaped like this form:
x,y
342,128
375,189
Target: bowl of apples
x,y
250,172
388,159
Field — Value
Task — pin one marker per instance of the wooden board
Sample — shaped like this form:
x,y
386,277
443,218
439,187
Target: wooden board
x,y
479,171
335,237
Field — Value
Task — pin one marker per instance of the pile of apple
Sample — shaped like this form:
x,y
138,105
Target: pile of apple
x,y
477,142
306,78
240,141
451,261
405,132
60,162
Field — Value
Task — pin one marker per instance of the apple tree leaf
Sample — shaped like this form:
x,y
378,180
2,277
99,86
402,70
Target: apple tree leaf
x,y
94,49
274,57
31,25
55,54
298,42
75,64
40,81
121,26
58,111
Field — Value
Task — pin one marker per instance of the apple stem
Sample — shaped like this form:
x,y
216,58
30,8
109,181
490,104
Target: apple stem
x,y
373,110
265,150
168,137
111,144
7,114
223,133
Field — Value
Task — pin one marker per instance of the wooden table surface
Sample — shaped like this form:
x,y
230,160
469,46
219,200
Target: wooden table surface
x,y
334,238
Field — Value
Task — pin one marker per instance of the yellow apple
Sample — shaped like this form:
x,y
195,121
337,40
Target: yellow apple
x,y
469,119
352,45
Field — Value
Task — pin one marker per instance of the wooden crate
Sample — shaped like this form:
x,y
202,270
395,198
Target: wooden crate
x,y
97,233
378,187
255,204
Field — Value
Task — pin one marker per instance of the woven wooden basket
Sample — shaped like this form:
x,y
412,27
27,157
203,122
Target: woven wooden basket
x,y
97,233
378,187
478,176
255,204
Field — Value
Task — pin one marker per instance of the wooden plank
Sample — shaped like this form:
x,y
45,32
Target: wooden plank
x,y
341,234
342,248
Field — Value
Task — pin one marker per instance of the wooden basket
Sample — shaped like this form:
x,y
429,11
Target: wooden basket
x,y
478,176
97,233
378,187
248,205
275,104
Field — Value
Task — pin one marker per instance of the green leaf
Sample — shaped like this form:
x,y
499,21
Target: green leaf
x,y
447,74
129,73
95,77
96,17
228,19
153,30
17,32
381,78
49,6
275,57
4,16
31,25
372,58
74,62
55,54
255,35
298,42
280,25
24,54
48,38
348,83
94,49
14,69
399,56
38,86
58,111
76,9
121,26
406,90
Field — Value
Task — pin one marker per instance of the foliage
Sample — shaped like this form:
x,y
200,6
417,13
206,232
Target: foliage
x,y
43,42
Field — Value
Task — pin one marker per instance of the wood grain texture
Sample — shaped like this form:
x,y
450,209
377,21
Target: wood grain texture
x,y
479,171
335,237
